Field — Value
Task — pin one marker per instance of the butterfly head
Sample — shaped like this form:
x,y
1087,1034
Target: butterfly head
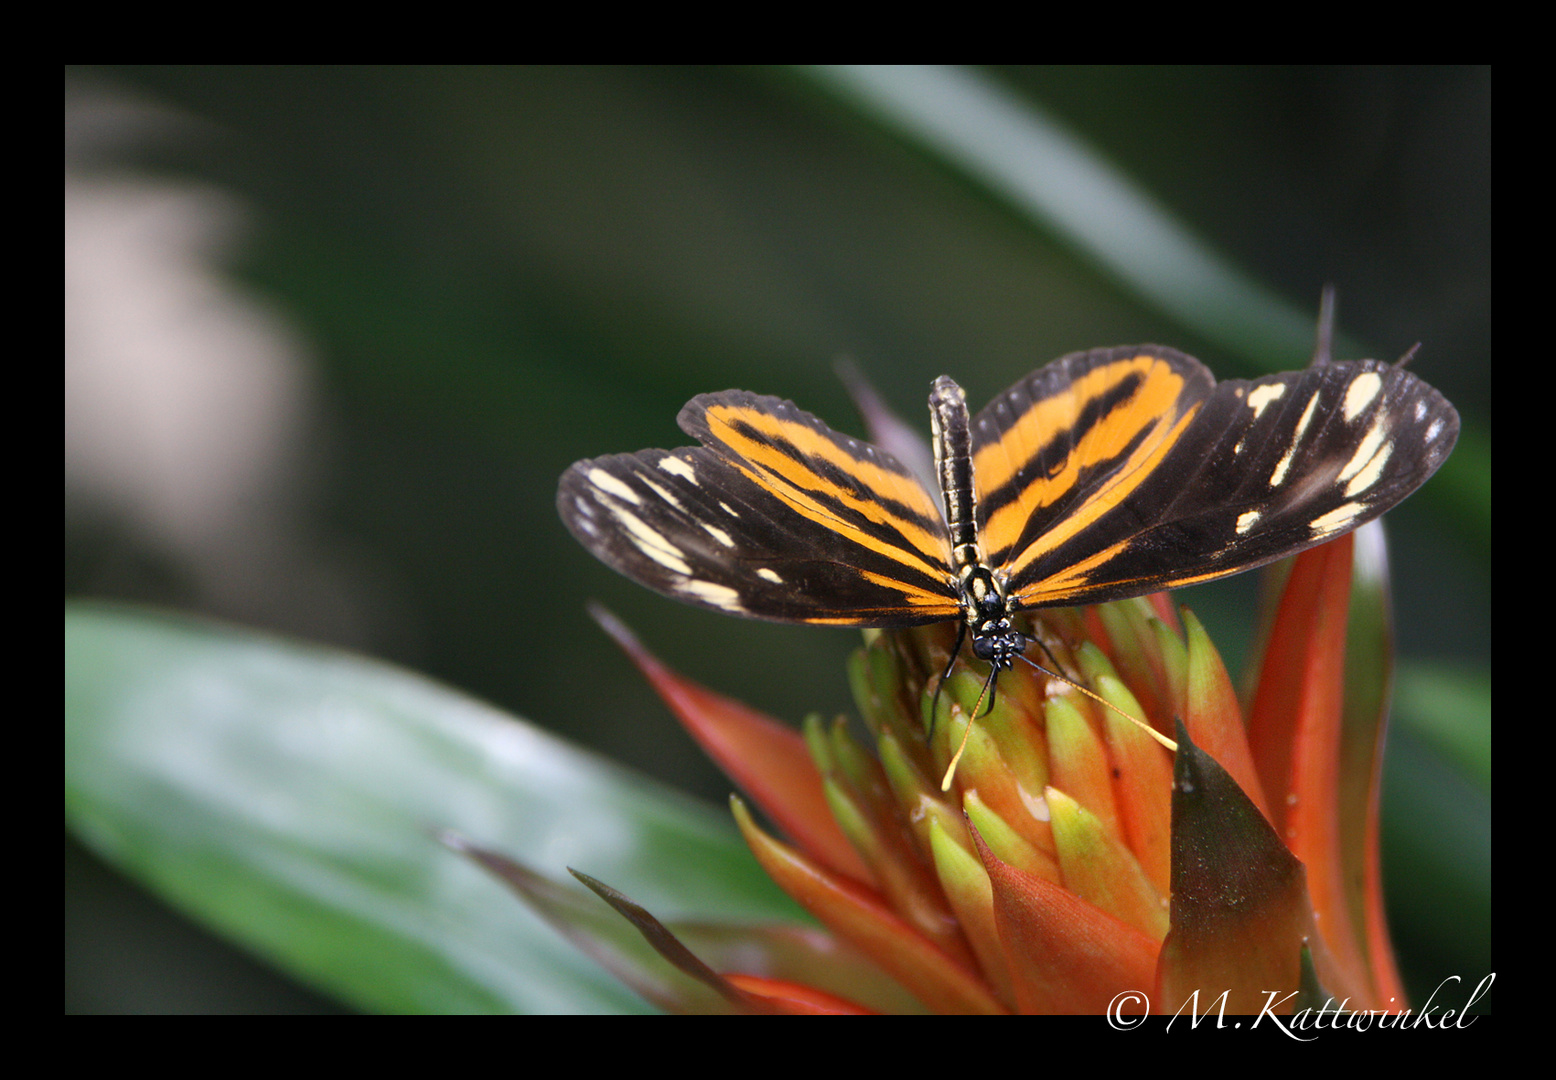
x,y
987,612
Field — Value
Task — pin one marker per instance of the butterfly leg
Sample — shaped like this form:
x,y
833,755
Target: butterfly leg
x,y
956,650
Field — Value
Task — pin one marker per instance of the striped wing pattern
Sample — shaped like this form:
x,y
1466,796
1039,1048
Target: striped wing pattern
x,y
1118,472
776,516
1106,474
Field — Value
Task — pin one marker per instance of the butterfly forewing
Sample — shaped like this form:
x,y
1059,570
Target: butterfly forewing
x,y
1234,475
1065,446
776,516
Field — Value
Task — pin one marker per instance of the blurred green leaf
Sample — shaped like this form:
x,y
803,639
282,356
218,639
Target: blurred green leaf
x,y
288,796
1050,175
1451,709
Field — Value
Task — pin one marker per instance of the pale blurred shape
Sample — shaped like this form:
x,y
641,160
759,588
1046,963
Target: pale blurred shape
x,y
183,399
188,401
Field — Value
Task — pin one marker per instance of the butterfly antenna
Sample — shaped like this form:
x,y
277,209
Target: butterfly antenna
x,y
945,783
1135,720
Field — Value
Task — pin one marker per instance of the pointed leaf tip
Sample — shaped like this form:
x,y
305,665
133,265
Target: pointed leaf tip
x,y
1240,909
667,945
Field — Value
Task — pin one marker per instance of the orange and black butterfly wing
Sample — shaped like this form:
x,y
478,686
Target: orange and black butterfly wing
x,y
1121,471
776,516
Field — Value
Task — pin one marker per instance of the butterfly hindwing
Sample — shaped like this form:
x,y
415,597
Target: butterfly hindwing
x,y
775,517
1139,485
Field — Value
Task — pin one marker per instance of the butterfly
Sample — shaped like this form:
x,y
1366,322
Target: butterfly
x,y
1106,474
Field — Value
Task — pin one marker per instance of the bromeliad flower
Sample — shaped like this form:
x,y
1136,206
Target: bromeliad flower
x,y
1074,865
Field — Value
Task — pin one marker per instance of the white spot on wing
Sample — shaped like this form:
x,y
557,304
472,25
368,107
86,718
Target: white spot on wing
x,y
1262,396
611,486
709,593
1366,465
1360,393
651,543
718,534
664,493
1337,520
676,467
1278,476
1248,521
770,575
